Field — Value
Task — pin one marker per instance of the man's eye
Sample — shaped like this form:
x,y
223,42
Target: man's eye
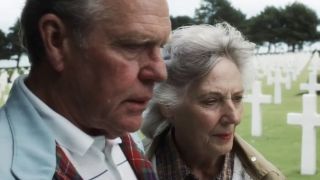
x,y
132,50
237,99
134,47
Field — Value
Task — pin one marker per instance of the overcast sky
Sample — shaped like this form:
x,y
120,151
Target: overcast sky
x,y
10,9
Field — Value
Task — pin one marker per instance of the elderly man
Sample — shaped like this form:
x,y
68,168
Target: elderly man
x,y
94,64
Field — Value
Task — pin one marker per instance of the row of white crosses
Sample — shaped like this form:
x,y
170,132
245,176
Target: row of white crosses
x,y
3,80
274,66
256,98
8,64
5,84
309,119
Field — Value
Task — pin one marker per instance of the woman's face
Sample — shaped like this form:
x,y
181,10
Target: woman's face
x,y
210,111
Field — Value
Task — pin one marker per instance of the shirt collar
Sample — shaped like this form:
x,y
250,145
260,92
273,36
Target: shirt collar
x,y
100,142
67,134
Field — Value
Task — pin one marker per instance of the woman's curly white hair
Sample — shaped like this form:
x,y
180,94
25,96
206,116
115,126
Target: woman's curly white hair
x,y
190,54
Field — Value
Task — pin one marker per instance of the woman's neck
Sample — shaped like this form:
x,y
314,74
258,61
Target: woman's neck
x,y
203,166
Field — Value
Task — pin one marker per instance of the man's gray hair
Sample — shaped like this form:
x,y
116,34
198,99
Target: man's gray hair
x,y
77,15
191,54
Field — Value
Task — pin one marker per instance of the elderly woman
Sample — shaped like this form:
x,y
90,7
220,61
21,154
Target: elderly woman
x,y
193,115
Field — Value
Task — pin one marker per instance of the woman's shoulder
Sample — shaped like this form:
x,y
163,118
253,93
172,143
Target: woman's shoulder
x,y
152,145
254,162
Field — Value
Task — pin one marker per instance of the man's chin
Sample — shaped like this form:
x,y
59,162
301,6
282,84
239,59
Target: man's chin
x,y
126,125
134,125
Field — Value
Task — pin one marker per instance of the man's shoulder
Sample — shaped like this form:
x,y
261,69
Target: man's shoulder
x,y
27,148
5,130
2,112
6,146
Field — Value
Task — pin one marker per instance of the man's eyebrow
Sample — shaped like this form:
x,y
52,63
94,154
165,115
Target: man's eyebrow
x,y
140,38
238,92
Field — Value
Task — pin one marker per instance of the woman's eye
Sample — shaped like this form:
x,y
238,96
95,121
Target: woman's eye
x,y
211,101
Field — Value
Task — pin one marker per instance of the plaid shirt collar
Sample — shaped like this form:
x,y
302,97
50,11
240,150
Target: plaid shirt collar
x,y
171,166
141,166
64,169
139,163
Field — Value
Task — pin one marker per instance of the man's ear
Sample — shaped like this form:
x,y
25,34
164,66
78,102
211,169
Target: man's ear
x,y
54,36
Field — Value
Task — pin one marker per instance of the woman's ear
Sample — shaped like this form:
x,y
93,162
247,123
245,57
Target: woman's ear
x,y
54,35
166,111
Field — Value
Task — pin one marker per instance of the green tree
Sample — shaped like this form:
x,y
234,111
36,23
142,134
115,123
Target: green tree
x,y
181,21
14,44
4,51
266,27
299,25
294,25
214,11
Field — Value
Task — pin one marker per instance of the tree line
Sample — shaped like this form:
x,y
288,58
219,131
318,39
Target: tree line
x,y
10,46
294,25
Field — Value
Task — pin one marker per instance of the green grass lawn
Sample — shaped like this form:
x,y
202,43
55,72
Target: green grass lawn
x,y
280,142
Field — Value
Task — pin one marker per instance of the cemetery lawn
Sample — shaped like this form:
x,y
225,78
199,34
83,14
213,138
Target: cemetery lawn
x,y
280,142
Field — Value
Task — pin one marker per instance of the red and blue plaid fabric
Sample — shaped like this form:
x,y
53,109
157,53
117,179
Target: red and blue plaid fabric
x,y
170,166
141,166
64,168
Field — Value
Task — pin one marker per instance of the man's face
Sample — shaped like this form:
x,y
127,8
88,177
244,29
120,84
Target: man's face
x,y
111,81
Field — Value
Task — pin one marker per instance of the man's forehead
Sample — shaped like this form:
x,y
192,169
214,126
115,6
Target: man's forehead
x,y
137,20
136,6
141,37
141,29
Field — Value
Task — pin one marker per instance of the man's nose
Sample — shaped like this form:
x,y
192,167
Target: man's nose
x,y
155,68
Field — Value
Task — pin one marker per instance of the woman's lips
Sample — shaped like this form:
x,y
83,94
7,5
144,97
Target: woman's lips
x,y
224,136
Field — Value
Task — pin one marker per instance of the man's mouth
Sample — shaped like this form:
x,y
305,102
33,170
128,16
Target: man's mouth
x,y
138,104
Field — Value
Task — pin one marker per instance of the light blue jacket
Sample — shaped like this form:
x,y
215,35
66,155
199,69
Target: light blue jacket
x,y
27,147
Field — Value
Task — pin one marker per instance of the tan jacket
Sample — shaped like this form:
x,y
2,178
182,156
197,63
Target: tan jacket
x,y
254,163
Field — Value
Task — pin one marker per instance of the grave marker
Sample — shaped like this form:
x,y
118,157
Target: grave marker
x,y
312,87
257,98
309,120
277,86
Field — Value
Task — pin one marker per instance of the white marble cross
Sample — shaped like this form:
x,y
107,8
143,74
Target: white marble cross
x,y
277,86
14,75
256,98
292,71
309,120
312,86
270,77
314,65
3,81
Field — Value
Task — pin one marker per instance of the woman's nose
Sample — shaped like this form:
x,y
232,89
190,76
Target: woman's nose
x,y
232,112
